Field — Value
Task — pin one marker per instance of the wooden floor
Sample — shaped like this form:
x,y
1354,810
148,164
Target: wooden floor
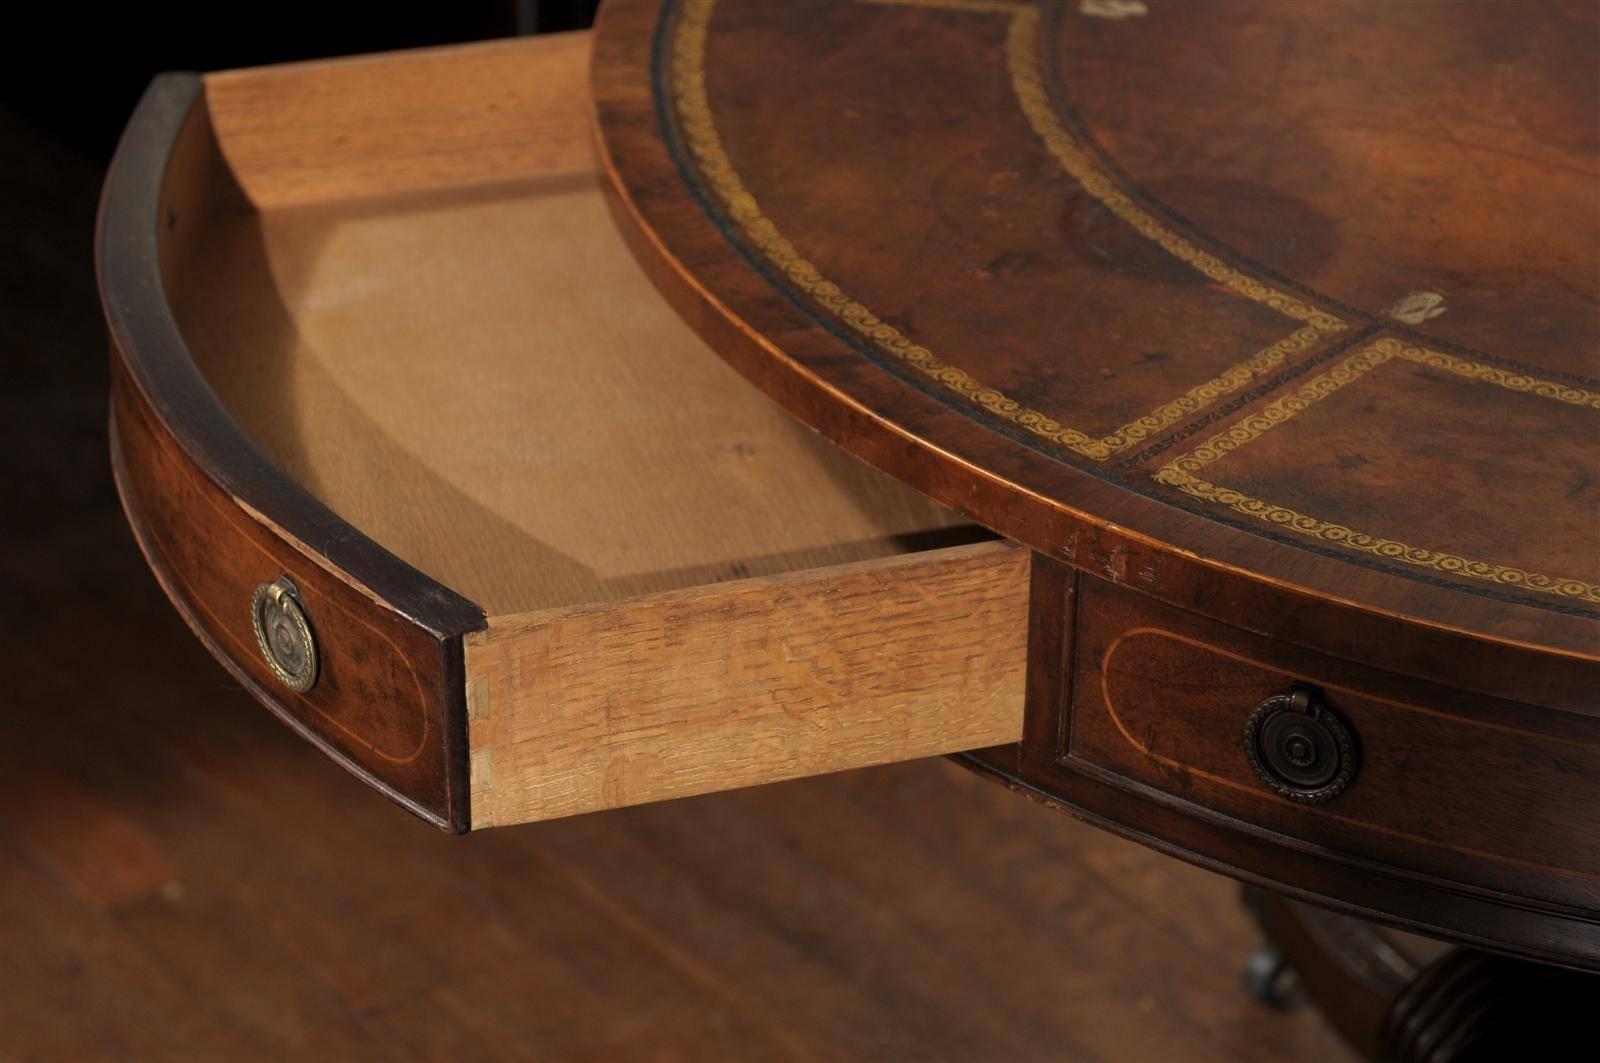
x,y
181,878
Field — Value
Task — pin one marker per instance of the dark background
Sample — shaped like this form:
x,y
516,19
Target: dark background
x,y
183,878
75,70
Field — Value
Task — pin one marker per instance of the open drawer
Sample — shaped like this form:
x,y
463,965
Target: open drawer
x,y
427,463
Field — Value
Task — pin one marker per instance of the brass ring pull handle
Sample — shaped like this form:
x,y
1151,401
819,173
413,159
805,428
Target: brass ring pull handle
x,y
1299,747
284,634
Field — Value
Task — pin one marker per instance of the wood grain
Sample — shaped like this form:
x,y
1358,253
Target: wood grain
x,y
707,689
456,117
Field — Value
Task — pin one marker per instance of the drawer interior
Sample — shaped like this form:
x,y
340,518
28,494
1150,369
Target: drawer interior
x,y
471,368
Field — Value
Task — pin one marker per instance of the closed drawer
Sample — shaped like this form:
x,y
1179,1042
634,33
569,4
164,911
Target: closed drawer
x,y
428,464
1440,785
1461,816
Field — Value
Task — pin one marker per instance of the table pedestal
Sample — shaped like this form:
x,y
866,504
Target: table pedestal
x,y
1396,996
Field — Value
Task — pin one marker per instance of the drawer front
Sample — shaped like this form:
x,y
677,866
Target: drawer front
x,y
1440,782
387,697
1460,813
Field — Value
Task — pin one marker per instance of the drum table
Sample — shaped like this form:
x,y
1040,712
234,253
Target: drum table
x,y
1223,377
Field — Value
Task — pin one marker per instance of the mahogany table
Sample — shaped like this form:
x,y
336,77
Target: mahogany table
x,y
1248,350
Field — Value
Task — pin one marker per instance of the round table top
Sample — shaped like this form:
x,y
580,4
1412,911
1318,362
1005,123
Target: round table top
x,y
1303,296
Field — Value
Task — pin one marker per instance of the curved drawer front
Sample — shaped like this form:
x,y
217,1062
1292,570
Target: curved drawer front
x,y
1436,807
386,696
1443,783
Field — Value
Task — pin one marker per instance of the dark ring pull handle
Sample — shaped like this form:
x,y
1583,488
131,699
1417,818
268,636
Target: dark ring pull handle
x,y
1299,747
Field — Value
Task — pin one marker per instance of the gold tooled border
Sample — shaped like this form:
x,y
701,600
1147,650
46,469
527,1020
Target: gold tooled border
x,y
700,136
704,143
1181,471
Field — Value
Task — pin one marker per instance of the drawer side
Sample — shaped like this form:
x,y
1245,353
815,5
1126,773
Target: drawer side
x,y
755,681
